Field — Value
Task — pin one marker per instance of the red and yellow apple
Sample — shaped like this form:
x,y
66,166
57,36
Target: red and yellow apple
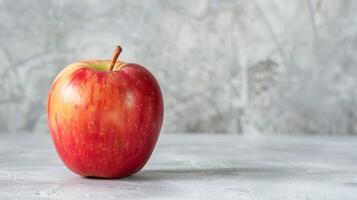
x,y
105,117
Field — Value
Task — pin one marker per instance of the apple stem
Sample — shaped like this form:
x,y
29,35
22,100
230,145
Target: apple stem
x,y
116,54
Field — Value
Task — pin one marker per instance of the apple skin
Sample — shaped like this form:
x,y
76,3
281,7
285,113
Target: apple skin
x,y
105,123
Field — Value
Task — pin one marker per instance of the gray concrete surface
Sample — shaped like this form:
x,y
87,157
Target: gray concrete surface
x,y
192,167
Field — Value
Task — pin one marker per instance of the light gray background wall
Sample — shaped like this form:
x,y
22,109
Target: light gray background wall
x,y
225,66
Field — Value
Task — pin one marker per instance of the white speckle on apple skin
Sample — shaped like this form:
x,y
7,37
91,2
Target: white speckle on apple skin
x,y
129,99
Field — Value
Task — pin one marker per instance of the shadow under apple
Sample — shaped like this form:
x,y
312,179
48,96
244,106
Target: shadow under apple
x,y
216,173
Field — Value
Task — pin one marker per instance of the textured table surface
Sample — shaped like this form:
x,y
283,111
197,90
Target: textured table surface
x,y
192,167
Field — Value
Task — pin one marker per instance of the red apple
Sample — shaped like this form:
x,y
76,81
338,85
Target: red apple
x,y
105,117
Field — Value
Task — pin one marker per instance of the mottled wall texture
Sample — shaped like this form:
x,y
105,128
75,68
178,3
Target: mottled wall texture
x,y
225,66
